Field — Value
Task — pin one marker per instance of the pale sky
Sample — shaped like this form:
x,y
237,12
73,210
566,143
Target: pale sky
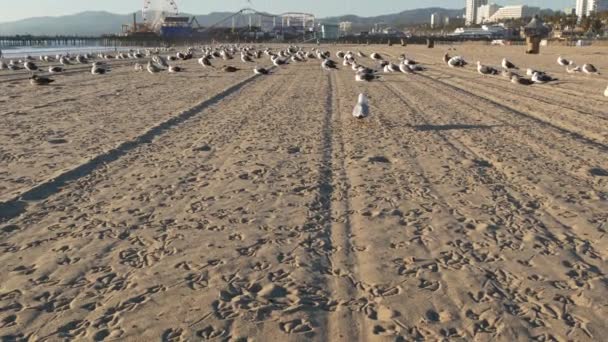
x,y
11,10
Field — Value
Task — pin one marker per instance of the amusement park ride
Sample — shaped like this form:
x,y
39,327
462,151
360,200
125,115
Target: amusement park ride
x,y
162,18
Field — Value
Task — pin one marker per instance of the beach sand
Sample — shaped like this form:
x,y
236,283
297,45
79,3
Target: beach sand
x,y
212,206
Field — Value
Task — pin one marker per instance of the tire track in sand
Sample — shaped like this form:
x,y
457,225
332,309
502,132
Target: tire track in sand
x,y
17,205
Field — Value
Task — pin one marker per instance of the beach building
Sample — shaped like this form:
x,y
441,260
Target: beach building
x,y
484,12
588,7
596,6
514,12
330,31
471,10
436,20
346,27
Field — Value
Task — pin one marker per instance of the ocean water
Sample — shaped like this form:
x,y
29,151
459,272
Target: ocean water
x,y
34,51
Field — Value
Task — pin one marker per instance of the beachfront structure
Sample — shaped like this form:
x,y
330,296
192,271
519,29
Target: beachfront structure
x,y
581,8
485,31
514,12
471,10
589,7
595,6
298,21
346,27
484,12
436,20
330,31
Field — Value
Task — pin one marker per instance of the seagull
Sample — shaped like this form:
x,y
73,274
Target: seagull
x,y
138,67
55,69
175,68
457,62
328,64
160,61
37,80
588,69
3,65
405,68
508,65
446,58
278,61
516,79
98,70
227,68
361,109
376,56
542,78
606,92
362,76
81,59
246,58
416,67
531,72
153,68
486,70
64,60
409,61
30,66
361,54
573,70
564,62
204,61
508,74
260,71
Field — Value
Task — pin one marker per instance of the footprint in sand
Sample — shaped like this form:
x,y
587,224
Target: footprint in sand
x,y
210,333
297,326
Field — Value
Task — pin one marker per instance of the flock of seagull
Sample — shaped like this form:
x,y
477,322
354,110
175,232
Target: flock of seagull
x,y
292,54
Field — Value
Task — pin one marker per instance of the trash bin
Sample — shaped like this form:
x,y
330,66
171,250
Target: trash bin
x,y
430,43
533,45
535,31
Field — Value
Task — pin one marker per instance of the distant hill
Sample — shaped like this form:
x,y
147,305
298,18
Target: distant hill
x,y
87,23
410,17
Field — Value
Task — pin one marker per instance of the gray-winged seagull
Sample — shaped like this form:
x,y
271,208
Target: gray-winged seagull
x,y
361,109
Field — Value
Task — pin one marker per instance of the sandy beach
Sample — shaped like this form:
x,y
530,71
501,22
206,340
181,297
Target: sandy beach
x,y
230,207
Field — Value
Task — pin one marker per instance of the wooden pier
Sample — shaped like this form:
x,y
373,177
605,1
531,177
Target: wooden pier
x,y
51,41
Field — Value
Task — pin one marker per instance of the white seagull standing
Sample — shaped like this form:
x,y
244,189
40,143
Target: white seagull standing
x,y
361,109
606,92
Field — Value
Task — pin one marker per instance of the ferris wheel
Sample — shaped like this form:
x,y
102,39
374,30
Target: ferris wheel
x,y
154,11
